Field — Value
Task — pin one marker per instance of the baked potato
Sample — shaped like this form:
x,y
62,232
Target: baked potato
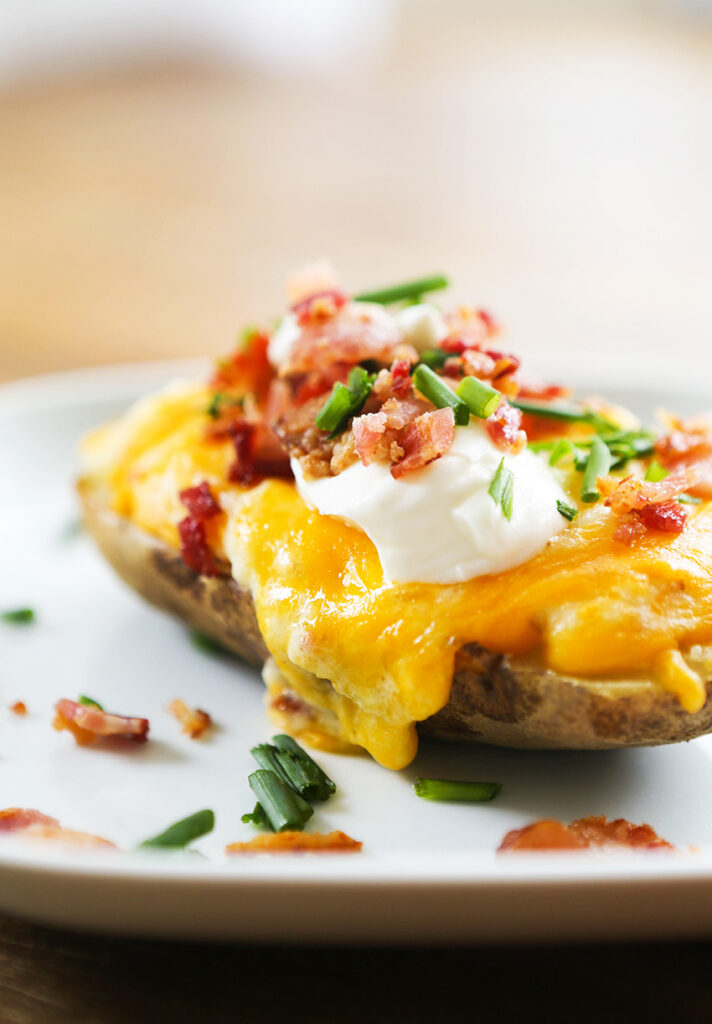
x,y
598,636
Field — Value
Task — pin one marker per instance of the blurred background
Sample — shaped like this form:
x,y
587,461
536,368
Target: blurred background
x,y
163,166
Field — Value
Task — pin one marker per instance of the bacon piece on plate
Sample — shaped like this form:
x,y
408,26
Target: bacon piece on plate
x,y
35,825
19,708
194,547
298,842
368,430
88,723
644,505
194,721
426,439
689,444
594,831
351,335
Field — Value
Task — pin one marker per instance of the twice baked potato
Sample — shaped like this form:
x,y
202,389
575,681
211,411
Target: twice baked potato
x,y
433,593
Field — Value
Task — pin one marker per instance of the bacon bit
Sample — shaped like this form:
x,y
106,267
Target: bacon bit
x,y
401,379
194,721
426,439
489,321
19,708
504,428
348,337
200,501
368,430
594,831
298,842
317,382
504,364
646,505
194,548
319,306
36,825
248,371
544,392
689,444
87,723
477,364
258,454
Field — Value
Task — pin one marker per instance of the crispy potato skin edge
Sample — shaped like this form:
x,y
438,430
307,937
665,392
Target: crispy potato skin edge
x,y
494,699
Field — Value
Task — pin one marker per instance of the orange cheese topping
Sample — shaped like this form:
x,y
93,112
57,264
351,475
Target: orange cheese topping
x,y
380,655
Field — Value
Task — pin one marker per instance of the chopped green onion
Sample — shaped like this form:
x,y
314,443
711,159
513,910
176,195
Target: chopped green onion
x,y
183,831
560,411
438,392
655,472
305,775
72,529
205,643
89,702
689,499
452,789
283,808
407,290
480,398
345,402
218,400
501,490
598,464
567,511
18,616
560,450
435,358
257,817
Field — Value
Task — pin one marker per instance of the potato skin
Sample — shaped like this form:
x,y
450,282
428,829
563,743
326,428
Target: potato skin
x,y
495,699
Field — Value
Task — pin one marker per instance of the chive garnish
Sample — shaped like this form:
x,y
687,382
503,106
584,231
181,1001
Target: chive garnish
x,y
315,783
89,702
452,789
184,831
437,391
408,290
283,808
480,398
689,499
598,464
562,411
257,817
435,358
218,400
567,511
501,490
655,472
205,643
18,616
345,402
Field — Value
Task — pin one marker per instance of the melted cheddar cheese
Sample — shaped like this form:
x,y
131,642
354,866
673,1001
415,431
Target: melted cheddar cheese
x,y
378,656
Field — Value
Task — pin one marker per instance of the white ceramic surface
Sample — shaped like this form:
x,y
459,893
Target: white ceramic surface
x,y
428,872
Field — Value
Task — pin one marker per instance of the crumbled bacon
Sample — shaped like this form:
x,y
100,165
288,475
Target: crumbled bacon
x,y
689,445
258,454
504,428
298,842
35,825
19,708
368,430
351,336
400,377
194,548
200,501
248,371
642,505
194,721
504,364
87,723
319,306
424,440
594,831
543,392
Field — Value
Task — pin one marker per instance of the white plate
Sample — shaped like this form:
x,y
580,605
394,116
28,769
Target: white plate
x,y
428,872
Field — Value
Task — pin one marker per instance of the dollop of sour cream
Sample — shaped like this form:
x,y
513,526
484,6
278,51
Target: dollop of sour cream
x,y
439,524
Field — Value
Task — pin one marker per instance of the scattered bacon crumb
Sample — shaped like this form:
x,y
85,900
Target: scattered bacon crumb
x,y
349,336
646,505
248,371
585,833
19,708
36,825
258,454
298,842
194,721
87,723
319,306
543,392
504,427
689,444
426,439
194,548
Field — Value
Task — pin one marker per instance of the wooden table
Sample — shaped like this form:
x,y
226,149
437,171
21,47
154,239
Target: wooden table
x,y
558,168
